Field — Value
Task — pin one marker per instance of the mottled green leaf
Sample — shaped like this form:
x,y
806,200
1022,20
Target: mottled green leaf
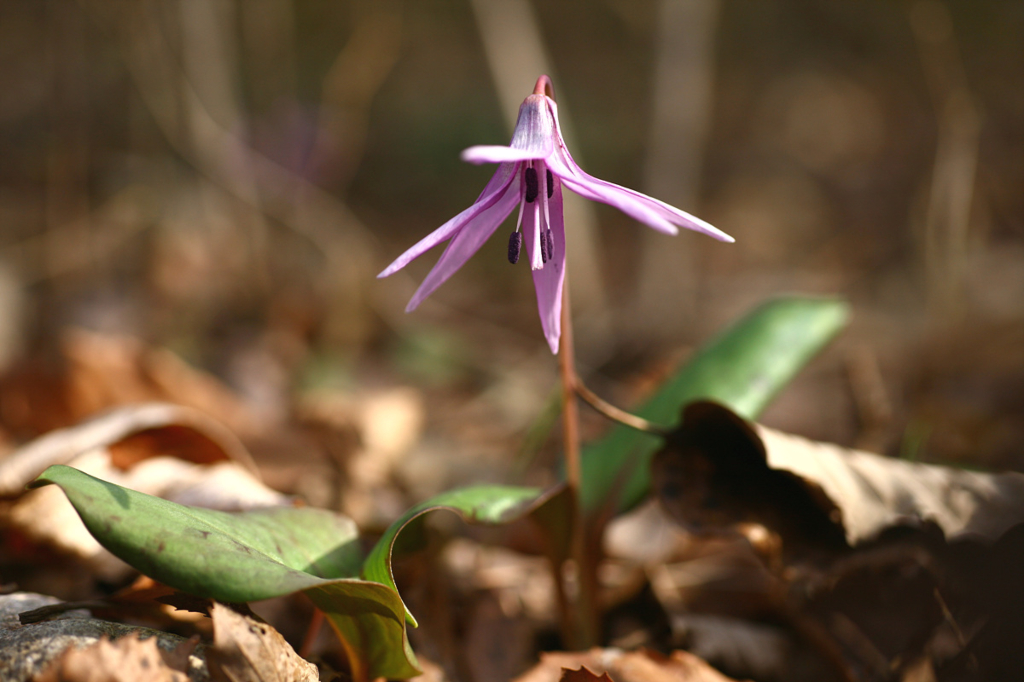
x,y
248,556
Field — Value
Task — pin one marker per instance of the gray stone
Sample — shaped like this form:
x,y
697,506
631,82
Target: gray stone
x,y
26,650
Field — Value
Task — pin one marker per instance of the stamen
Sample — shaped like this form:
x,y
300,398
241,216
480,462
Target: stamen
x,y
537,235
530,177
549,244
515,246
551,185
545,227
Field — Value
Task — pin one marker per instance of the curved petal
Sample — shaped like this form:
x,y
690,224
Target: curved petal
x,y
490,153
548,280
467,241
623,201
657,214
495,190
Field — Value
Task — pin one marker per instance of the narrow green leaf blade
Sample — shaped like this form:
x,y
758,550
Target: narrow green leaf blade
x,y
491,504
743,368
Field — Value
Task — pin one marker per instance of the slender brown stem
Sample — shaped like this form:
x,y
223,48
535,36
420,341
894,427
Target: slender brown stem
x,y
316,622
614,413
570,413
544,87
586,625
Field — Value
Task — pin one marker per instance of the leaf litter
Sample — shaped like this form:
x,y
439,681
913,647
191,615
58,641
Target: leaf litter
x,y
247,650
127,659
834,534
680,582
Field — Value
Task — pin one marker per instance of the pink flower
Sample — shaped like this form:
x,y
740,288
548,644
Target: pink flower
x,y
532,171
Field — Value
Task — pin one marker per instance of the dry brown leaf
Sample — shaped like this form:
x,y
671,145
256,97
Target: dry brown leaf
x,y
99,371
377,430
129,659
143,431
247,650
718,470
45,515
624,666
875,492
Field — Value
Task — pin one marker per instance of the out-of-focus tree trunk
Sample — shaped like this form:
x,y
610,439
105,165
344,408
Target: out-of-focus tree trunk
x,y
667,286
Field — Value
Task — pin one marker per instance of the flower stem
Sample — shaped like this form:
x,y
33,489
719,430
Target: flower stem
x,y
614,413
586,625
570,413
544,87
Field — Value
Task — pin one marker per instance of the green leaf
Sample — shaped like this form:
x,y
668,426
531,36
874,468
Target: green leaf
x,y
491,504
743,368
243,556
248,556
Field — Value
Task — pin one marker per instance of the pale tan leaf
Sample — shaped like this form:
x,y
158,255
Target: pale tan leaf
x,y
213,476
209,441
247,650
46,516
717,470
128,659
874,492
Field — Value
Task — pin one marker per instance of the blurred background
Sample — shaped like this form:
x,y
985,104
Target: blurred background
x,y
220,182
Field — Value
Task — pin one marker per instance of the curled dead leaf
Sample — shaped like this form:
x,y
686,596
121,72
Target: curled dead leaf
x,y
142,431
165,450
877,554
248,650
875,492
717,470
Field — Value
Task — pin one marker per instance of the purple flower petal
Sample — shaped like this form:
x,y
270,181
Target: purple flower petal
x,y
490,196
538,140
467,241
536,128
623,201
548,280
490,153
656,214
535,136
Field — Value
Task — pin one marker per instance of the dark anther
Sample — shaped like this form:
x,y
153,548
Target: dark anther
x,y
549,244
543,248
551,185
530,176
515,245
